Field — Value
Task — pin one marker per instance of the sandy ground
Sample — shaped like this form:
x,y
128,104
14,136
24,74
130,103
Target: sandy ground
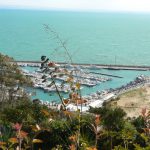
x,y
134,101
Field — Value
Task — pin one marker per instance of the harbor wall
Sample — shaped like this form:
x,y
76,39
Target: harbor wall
x,y
98,66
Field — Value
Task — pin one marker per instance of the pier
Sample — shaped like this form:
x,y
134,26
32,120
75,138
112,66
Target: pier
x,y
94,66
110,75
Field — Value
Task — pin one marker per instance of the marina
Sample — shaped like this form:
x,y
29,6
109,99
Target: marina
x,y
80,76
93,83
97,99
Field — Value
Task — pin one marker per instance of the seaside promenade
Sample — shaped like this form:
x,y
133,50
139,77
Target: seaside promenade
x,y
94,66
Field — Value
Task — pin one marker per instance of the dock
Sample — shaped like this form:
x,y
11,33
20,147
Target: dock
x,y
110,75
94,66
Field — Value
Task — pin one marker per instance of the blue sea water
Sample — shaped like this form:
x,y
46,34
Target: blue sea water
x,y
105,38
91,37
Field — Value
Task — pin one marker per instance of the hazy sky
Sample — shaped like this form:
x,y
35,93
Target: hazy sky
x,y
89,5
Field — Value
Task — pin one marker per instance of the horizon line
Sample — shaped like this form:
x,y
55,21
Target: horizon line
x,y
74,10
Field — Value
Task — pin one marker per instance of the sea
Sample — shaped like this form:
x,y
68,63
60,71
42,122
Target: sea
x,y
89,37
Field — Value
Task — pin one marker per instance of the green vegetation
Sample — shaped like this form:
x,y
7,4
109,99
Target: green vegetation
x,y
26,124
11,83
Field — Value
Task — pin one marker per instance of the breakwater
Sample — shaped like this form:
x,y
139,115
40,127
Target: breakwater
x,y
106,74
94,66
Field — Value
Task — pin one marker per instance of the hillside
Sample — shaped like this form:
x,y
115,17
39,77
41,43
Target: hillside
x,y
132,102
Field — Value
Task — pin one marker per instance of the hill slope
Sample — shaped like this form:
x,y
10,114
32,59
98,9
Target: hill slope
x,y
134,101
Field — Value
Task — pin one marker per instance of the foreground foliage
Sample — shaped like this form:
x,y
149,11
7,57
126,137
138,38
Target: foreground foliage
x,y
26,124
48,129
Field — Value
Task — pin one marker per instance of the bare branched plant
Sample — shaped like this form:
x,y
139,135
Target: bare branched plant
x,y
51,71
